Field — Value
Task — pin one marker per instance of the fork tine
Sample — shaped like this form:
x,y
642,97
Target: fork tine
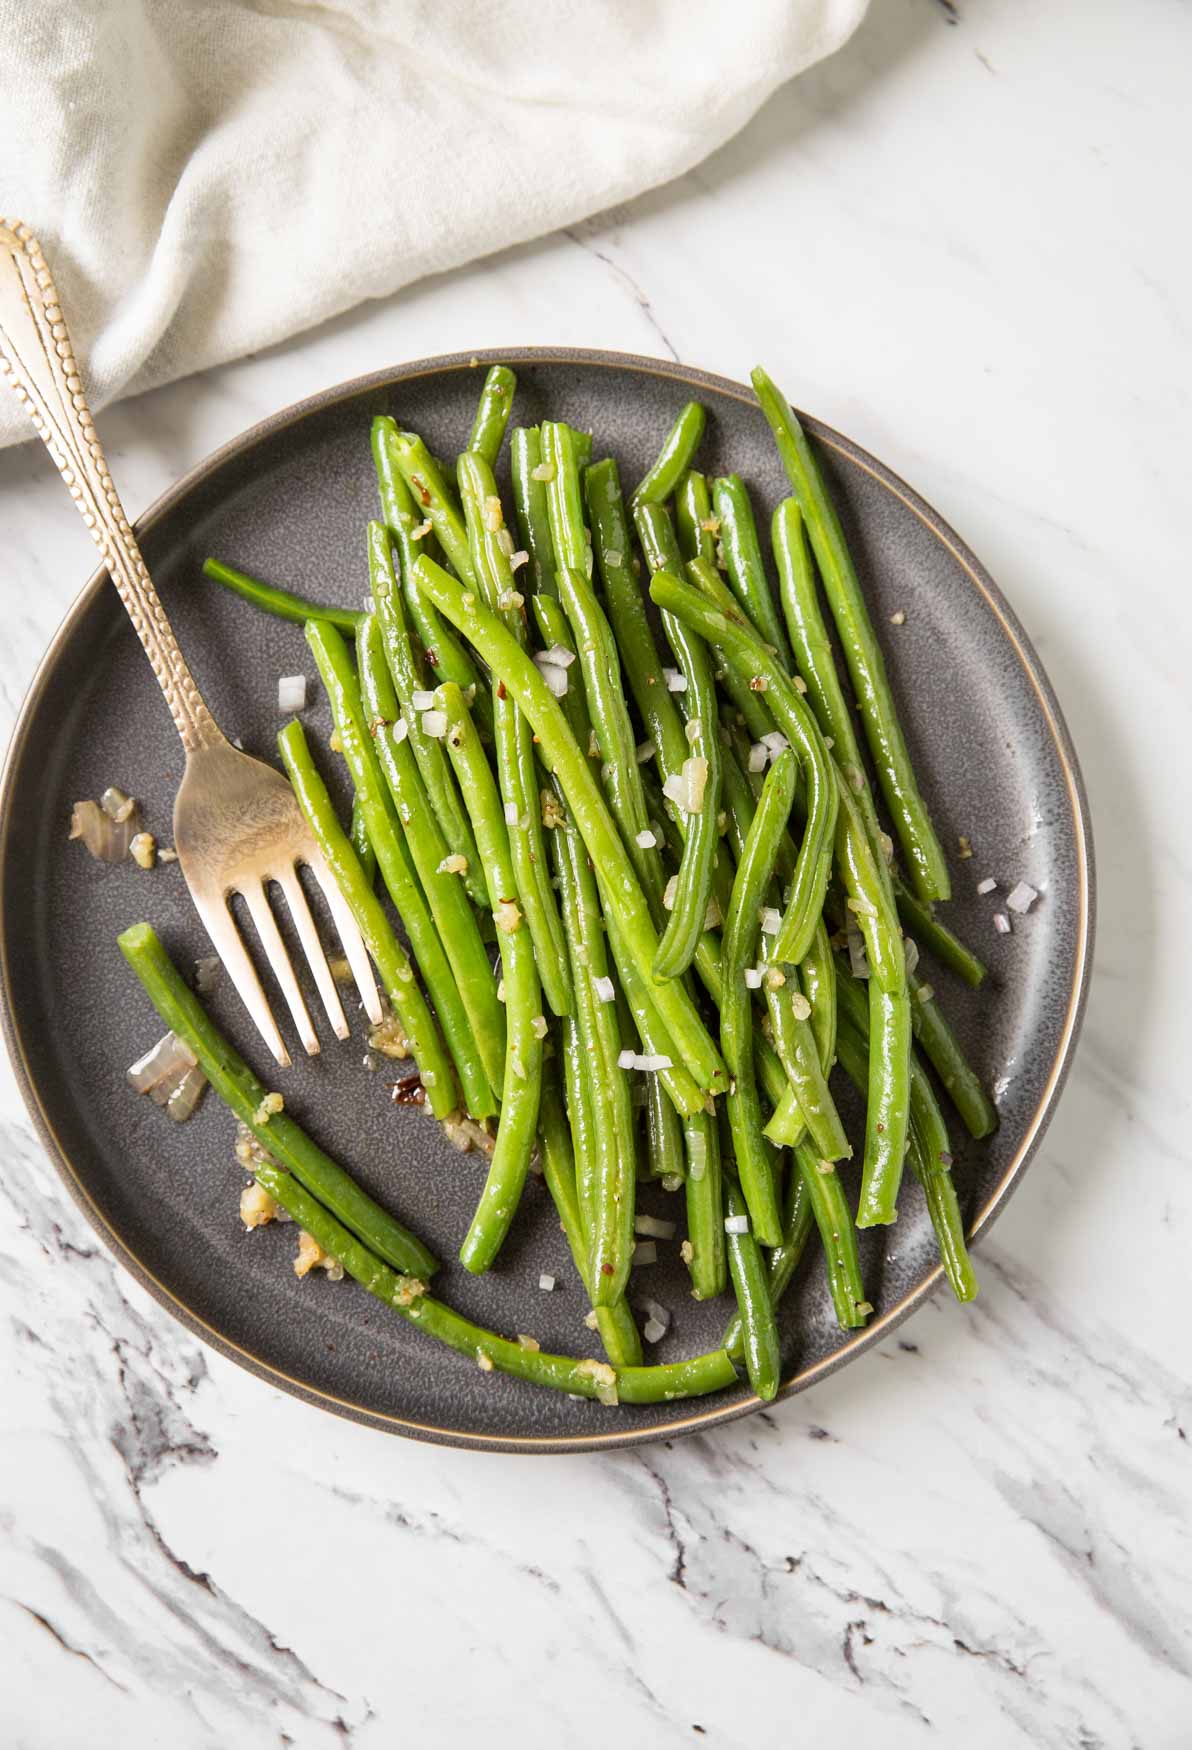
x,y
349,935
275,952
220,925
290,885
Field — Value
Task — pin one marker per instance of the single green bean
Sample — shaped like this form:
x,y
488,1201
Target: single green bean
x,y
746,654
664,1133
743,560
755,1164
817,975
284,604
943,1052
887,1107
930,932
240,1090
693,517
526,1024
834,1219
686,924
620,890
674,458
862,652
798,1221
530,509
798,1052
402,862
397,975
759,1328
870,900
492,413
362,844
581,443
738,687
705,1207
516,766
432,494
444,652
564,499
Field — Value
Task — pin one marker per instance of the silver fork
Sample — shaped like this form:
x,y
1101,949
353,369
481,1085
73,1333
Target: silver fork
x,y
237,824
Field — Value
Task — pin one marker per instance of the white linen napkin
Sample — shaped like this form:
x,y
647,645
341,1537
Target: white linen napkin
x,y
208,177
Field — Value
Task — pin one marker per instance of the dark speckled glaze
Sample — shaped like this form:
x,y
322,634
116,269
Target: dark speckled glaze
x,y
288,500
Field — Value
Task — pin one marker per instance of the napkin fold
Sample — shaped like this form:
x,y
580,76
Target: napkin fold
x,y
208,177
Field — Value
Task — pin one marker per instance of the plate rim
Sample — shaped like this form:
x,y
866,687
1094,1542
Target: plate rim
x,y
714,1413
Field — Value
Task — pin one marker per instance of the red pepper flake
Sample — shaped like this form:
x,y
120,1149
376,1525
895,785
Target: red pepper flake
x,y
606,1269
409,1092
502,691
421,489
880,1128
432,656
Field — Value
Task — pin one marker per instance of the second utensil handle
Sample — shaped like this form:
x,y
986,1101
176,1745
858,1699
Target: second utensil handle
x,y
38,359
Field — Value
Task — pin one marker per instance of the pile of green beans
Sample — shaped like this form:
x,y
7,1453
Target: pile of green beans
x,y
618,793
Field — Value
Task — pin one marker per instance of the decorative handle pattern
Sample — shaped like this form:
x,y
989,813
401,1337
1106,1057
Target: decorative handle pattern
x,y
37,357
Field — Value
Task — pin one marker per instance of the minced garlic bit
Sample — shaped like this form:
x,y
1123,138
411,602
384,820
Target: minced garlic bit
x,y
389,1038
334,743
270,1106
669,892
865,1307
963,848
424,528
710,525
507,917
166,855
530,1343
898,619
774,979
687,1252
552,810
592,1322
545,471
862,907
603,1376
143,850
538,1026
494,516
694,729
311,1256
800,1007
455,864
257,1206
825,1167
758,684
484,1361
800,683
510,599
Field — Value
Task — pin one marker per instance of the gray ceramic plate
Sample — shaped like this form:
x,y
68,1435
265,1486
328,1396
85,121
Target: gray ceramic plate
x,y
288,500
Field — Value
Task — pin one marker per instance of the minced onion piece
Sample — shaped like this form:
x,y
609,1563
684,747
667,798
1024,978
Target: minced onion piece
x,y
987,886
653,1331
507,916
559,655
776,742
695,776
1001,923
652,1060
511,814
627,1059
422,699
207,973
544,471
434,724
170,1057
400,730
646,840
800,1007
546,1282
645,1252
1022,897
645,751
505,542
291,692
736,1224
604,989
669,892
654,1227
554,676
911,949
753,978
712,916
657,1311
771,920
862,907
105,837
675,790
676,681
117,805
538,1026
455,864
697,1154
671,1181
510,599
759,754
613,556
518,559
494,516
693,730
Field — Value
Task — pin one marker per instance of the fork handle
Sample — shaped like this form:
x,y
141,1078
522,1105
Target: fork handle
x,y
38,359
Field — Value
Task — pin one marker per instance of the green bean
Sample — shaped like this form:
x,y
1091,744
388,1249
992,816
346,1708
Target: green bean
x,y
432,493
492,413
931,933
887,1108
272,599
444,652
433,765
681,1086
744,563
693,514
798,1052
834,1219
705,1207
609,1200
362,844
576,1035
798,1221
239,1089
927,1150
623,899
759,1328
739,688
516,767
397,975
616,1325
686,926
526,1024
564,500
943,1052
862,652
530,509
613,543
746,654
817,975
447,965
664,1133
754,1159
581,443
407,1297
674,458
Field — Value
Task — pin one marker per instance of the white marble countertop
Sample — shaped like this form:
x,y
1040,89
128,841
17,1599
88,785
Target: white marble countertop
x,y
961,242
